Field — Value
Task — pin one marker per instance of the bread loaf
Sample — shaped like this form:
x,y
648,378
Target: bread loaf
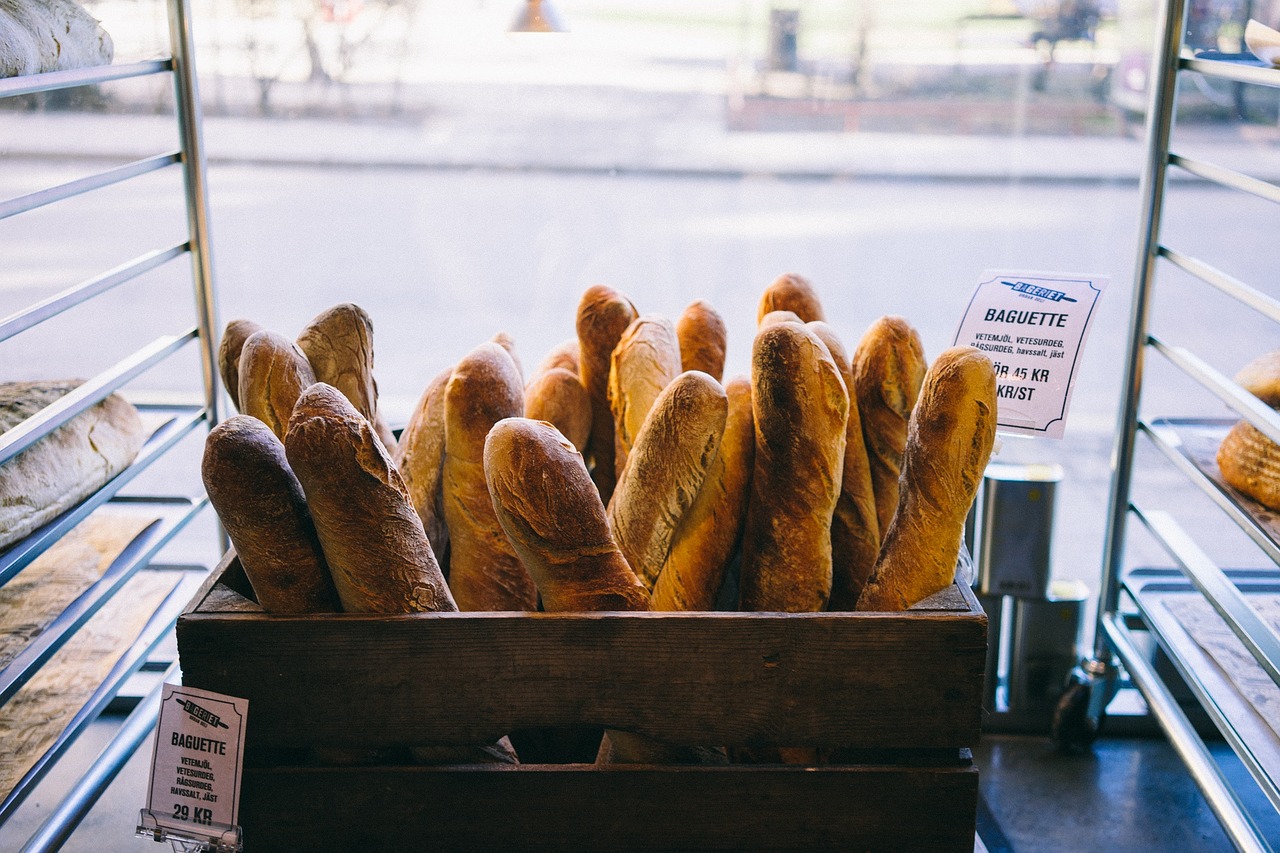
x,y
261,505
791,292
484,571
1261,378
1250,463
801,408
229,349
557,396
644,362
565,354
953,428
551,512
702,338
708,534
603,315
672,454
774,317
38,36
888,367
68,464
855,530
378,553
420,459
273,374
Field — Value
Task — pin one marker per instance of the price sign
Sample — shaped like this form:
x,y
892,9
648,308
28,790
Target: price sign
x,y
1033,326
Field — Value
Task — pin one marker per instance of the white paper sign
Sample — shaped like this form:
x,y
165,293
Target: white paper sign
x,y
196,768
1033,326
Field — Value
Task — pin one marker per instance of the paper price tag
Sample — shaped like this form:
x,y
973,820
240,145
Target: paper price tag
x,y
1033,326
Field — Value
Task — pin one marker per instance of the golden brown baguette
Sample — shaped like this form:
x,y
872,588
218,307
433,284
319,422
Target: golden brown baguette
x,y
672,454
229,348
855,530
420,458
888,367
484,571
273,374
952,431
778,317
707,536
261,505
603,315
702,337
1261,378
508,343
378,553
644,362
1250,463
551,512
791,292
557,396
801,408
565,354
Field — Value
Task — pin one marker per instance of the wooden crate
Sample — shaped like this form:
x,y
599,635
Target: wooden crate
x,y
899,694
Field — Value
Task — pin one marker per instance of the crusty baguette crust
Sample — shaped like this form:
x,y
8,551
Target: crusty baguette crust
x,y
888,367
801,408
378,553
1250,463
672,454
646,360
262,507
774,317
420,458
229,349
551,512
952,432
703,340
557,396
791,292
566,354
339,344
273,375
603,315
484,571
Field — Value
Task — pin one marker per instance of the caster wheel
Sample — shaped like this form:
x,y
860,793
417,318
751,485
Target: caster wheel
x,y
1074,730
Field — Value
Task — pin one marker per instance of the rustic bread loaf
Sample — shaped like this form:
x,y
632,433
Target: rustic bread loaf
x,y
484,571
229,349
888,367
644,362
557,396
68,464
603,315
50,35
1250,463
420,458
708,534
672,454
1261,378
378,553
953,428
774,317
702,338
855,530
261,504
551,512
791,292
565,354
801,409
273,375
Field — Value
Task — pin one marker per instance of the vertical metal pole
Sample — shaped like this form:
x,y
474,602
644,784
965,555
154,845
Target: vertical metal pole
x,y
1160,113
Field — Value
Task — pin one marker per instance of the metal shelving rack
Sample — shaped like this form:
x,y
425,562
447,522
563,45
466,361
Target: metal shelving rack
x,y
1125,632
181,420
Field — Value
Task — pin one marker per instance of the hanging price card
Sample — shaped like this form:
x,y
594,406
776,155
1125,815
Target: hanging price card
x,y
1033,326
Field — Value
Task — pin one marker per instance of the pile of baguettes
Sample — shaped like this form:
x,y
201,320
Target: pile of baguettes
x,y
621,476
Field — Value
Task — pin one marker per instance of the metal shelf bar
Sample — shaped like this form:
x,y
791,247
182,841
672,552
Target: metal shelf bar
x,y
51,81
138,553
1235,820
1239,72
1258,637
96,181
66,407
1227,177
86,290
1231,286
1250,407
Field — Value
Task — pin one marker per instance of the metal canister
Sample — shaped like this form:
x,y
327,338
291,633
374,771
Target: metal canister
x,y
1044,646
1016,529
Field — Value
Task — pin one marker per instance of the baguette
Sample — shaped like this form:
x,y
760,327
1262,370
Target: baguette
x,y
378,554
702,338
791,292
603,315
888,367
565,354
646,360
673,452
952,432
855,529
484,571
1250,463
774,317
801,409
557,396
229,349
708,534
551,512
420,458
262,507
273,374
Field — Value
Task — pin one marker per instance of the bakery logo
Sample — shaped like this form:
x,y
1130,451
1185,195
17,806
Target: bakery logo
x,y
1037,291
203,716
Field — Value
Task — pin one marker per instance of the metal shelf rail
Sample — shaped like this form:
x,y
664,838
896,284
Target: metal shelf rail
x,y
174,512
1116,638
